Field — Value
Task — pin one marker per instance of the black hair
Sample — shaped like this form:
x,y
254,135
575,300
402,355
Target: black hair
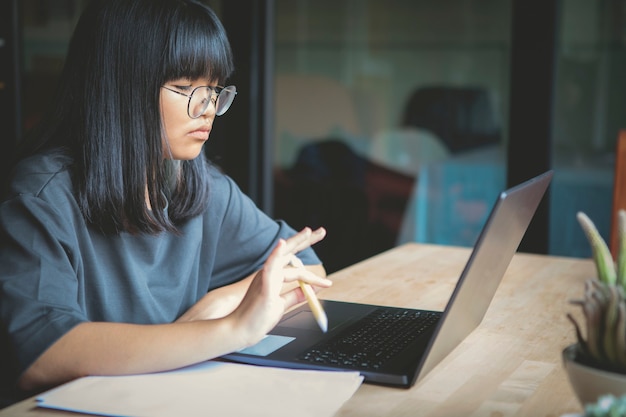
x,y
107,110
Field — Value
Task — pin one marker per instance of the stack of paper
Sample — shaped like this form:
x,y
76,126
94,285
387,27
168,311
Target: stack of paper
x,y
211,388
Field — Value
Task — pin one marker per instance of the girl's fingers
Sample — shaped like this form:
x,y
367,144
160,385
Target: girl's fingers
x,y
313,237
303,274
305,238
283,265
295,262
300,240
275,264
293,297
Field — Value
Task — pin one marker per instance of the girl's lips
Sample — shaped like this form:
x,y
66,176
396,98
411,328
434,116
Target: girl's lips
x,y
202,134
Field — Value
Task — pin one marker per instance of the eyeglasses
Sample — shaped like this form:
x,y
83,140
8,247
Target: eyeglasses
x,y
200,97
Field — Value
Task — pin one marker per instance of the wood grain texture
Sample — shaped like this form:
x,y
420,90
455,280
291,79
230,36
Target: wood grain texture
x,y
509,366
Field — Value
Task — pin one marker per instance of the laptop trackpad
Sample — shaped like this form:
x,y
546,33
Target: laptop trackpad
x,y
302,320
267,345
305,320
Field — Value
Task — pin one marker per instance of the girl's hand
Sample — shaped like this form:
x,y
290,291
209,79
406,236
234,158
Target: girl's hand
x,y
222,301
263,305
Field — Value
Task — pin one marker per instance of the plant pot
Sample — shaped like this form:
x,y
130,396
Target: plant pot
x,y
590,383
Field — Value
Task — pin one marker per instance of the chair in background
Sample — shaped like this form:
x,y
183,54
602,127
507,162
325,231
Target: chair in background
x,y
463,118
619,186
407,149
360,202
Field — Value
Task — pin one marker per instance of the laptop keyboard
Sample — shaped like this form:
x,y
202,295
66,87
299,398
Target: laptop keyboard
x,y
370,342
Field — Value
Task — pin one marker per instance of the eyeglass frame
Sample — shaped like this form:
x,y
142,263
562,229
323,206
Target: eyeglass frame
x,y
215,92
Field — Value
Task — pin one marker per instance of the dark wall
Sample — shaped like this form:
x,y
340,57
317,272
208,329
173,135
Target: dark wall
x,y
10,107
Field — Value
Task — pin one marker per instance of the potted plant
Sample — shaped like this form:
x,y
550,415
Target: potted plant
x,y
596,364
607,406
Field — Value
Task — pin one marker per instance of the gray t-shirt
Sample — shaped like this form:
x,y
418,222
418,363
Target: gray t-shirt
x,y
56,271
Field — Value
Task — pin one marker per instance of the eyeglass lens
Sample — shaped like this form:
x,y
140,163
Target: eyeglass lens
x,y
202,96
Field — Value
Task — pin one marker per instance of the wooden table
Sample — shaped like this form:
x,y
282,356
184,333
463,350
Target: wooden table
x,y
509,366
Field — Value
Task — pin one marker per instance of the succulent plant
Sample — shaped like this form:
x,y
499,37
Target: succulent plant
x,y
607,406
604,303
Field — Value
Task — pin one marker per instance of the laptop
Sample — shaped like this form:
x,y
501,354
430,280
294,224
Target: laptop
x,y
399,346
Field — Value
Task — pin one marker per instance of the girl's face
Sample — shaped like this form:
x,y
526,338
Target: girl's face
x,y
185,135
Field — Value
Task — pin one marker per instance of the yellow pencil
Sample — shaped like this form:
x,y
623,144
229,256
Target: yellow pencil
x,y
314,302
316,306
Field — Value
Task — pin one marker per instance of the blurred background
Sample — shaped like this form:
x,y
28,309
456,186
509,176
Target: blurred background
x,y
390,121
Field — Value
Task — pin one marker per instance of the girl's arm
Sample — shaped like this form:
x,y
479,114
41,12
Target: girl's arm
x,y
93,348
223,301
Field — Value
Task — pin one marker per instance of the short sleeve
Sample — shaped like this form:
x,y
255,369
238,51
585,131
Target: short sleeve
x,y
246,234
38,281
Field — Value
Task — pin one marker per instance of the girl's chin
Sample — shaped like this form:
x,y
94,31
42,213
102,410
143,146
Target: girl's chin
x,y
188,155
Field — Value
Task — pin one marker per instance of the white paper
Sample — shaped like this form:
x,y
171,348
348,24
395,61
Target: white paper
x,y
209,389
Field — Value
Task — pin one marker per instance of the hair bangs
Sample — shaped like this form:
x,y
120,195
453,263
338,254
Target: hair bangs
x,y
199,48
